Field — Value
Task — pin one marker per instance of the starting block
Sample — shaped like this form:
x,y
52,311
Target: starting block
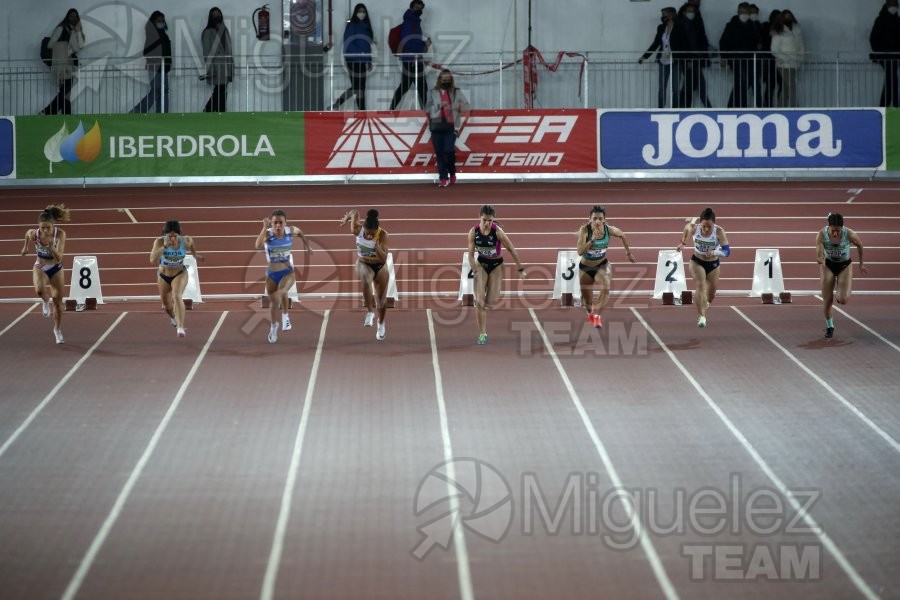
x,y
767,279
670,278
466,282
188,304
687,297
566,286
785,297
192,289
84,288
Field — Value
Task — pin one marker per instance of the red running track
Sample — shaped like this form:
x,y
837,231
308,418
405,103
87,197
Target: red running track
x,y
137,465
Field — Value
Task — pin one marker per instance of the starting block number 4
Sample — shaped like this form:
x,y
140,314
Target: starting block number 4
x,y
466,281
566,280
85,281
669,274
767,277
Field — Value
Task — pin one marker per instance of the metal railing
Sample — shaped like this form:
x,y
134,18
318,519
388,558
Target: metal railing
x,y
314,80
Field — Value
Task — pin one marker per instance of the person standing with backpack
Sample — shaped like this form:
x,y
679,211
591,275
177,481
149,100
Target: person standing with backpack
x,y
413,44
65,42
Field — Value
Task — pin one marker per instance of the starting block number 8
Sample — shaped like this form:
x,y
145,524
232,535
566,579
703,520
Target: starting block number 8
x,y
85,280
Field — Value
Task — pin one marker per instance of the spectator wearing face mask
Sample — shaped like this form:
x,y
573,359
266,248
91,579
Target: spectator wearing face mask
x,y
413,45
788,49
694,57
65,42
668,39
737,45
216,41
885,43
358,41
445,107
158,53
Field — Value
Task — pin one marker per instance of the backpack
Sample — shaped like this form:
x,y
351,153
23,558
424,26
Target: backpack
x,y
394,38
46,52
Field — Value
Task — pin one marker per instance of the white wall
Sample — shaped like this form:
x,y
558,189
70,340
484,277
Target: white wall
x,y
486,25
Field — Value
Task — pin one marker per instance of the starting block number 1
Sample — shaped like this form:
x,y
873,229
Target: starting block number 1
x,y
767,277
85,280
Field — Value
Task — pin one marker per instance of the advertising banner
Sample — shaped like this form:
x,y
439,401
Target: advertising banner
x,y
892,133
174,145
7,147
489,141
766,139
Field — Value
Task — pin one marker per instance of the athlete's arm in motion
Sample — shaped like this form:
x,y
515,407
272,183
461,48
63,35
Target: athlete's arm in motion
x,y
189,246
504,239
29,238
854,239
159,246
820,248
261,238
299,233
616,232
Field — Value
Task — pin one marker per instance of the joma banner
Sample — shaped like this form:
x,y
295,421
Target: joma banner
x,y
774,139
489,141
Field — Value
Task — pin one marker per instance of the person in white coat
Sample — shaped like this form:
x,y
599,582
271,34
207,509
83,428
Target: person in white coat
x,y
65,42
788,50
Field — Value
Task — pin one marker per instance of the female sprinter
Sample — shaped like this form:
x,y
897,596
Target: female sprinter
x,y
486,238
833,254
276,237
168,252
710,243
372,250
49,245
593,241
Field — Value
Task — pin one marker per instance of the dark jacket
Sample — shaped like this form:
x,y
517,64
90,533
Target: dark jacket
x,y
658,42
738,40
885,36
412,39
157,48
358,41
696,44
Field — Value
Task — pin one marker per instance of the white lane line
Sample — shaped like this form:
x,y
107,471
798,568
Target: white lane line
x,y
284,514
855,193
34,413
88,560
127,211
655,563
19,318
811,523
855,320
466,590
849,405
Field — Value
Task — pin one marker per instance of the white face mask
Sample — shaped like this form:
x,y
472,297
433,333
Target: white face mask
x,y
892,10
744,18
690,16
754,17
361,15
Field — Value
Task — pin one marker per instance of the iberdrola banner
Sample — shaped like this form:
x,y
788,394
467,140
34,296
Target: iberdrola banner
x,y
154,145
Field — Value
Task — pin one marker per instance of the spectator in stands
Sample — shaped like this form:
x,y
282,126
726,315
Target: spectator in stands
x,y
885,43
358,40
216,42
771,80
158,53
788,50
737,45
446,105
413,45
756,70
65,42
695,55
664,44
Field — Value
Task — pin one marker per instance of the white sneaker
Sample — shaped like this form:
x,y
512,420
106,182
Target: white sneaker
x,y
273,333
180,331
46,308
370,319
173,321
701,322
285,322
379,333
58,335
